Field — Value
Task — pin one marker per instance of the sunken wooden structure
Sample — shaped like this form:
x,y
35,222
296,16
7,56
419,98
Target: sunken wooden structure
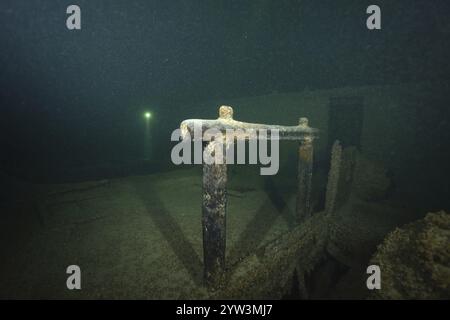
x,y
214,203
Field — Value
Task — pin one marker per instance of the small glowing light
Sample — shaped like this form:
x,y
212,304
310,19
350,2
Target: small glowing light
x,y
147,115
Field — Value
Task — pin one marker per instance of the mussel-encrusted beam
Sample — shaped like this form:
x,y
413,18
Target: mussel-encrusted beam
x,y
226,122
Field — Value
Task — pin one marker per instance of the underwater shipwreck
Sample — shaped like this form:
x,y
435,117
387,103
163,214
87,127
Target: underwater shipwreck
x,y
221,231
225,150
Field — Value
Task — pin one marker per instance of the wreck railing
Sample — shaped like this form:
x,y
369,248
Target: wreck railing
x,y
215,179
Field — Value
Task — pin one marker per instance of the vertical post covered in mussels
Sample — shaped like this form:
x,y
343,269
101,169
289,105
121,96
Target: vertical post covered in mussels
x,y
305,168
214,221
333,178
214,206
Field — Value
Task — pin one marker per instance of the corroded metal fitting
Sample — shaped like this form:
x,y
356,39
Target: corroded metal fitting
x,y
225,112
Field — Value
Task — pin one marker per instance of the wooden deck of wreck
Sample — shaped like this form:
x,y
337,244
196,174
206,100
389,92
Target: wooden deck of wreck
x,y
140,237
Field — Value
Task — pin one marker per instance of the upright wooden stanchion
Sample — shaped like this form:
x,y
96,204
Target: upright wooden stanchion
x,y
214,207
305,170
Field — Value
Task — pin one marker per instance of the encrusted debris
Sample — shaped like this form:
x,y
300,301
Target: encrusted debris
x,y
415,260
